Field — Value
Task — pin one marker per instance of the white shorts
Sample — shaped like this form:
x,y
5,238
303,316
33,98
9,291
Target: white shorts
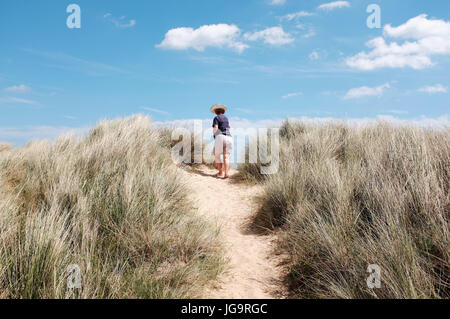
x,y
223,144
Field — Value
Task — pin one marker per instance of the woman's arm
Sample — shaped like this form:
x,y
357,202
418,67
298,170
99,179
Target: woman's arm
x,y
215,129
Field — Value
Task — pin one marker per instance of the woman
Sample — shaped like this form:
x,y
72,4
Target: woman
x,y
223,144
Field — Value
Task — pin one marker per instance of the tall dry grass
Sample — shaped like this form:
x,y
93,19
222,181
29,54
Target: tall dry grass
x,y
110,202
347,197
203,152
5,147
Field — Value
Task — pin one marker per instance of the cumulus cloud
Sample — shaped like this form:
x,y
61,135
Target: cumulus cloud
x,y
277,2
274,36
120,22
296,15
364,91
424,38
214,35
22,88
433,89
334,5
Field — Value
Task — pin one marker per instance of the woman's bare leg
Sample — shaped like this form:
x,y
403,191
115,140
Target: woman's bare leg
x,y
226,163
220,168
219,165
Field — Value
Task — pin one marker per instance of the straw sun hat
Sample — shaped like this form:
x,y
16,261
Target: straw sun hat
x,y
218,107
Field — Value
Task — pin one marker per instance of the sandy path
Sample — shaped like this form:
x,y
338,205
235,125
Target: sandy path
x,y
254,270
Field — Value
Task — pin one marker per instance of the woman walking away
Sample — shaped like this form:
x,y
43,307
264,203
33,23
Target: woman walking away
x,y
223,144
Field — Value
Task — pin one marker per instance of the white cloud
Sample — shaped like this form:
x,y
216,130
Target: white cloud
x,y
277,2
430,37
20,135
22,88
419,28
364,91
120,22
442,122
433,89
314,56
309,34
16,100
273,36
296,15
334,5
289,95
19,100
214,35
153,110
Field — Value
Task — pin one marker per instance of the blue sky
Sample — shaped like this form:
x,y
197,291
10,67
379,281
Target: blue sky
x,y
265,59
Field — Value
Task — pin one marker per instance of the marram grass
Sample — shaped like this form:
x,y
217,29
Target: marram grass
x,y
110,202
346,197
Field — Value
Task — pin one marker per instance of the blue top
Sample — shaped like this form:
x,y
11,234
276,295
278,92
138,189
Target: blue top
x,y
224,125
